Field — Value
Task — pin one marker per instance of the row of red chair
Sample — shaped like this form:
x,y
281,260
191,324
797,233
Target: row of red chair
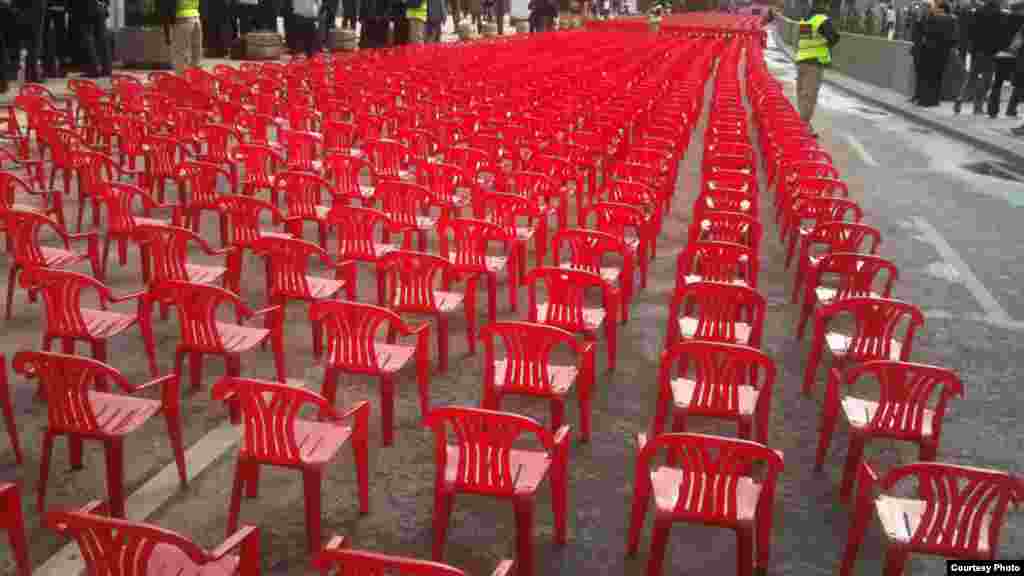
x,y
841,276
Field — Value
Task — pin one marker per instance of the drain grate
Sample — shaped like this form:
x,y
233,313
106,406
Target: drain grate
x,y
870,111
1001,170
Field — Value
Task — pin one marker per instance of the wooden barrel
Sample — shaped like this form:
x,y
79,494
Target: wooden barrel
x,y
263,46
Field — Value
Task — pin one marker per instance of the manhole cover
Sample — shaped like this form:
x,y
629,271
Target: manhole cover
x,y
1001,170
870,111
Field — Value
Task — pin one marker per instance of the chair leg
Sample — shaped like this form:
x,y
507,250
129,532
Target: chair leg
x,y
8,412
195,366
12,277
311,479
114,452
236,496
252,480
99,352
557,413
75,445
318,339
641,498
853,457
659,542
387,408
470,304
174,433
492,298
764,518
44,470
360,452
559,501
442,344
895,560
16,533
828,425
524,536
442,516
744,551
330,386
611,335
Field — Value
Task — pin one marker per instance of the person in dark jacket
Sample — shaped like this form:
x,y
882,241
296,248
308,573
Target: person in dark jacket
x,y
375,16
350,14
31,17
1007,62
92,22
328,21
939,37
982,43
542,14
55,36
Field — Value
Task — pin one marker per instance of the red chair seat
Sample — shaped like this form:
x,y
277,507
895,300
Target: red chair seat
x,y
118,415
151,221
321,211
201,274
827,294
529,468
562,377
900,518
426,222
59,257
593,318
26,208
666,481
104,324
167,559
859,413
688,327
318,442
320,288
691,278
393,357
683,389
839,344
448,301
609,274
238,338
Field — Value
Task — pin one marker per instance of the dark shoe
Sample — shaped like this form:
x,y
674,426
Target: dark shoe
x,y
956,107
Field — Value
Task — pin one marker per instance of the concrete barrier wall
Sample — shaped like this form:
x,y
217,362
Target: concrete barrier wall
x,y
872,59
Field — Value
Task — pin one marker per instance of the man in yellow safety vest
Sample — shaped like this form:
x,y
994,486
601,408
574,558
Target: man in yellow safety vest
x,y
814,53
187,41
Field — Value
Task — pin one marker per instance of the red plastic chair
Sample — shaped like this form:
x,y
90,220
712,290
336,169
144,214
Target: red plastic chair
x,y
257,127
259,162
116,546
344,171
303,194
198,192
858,276
711,487
119,198
717,262
587,251
275,435
484,462
443,181
94,169
80,413
357,233
165,251
390,158
162,155
351,331
13,188
339,136
411,287
726,313
29,252
807,186
467,250
339,558
406,205
287,263
958,512
566,305
911,404
875,322
728,382
631,225
218,143
68,320
12,520
521,220
528,369
304,150
725,199
831,237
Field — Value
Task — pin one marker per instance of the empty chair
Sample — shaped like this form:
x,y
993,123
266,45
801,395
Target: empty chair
x,y
874,333
116,546
81,413
816,209
842,275
7,408
338,559
711,486
483,461
722,226
351,330
124,215
911,404
529,369
727,381
467,251
716,311
12,521
717,262
833,237
958,512
588,250
274,435
360,238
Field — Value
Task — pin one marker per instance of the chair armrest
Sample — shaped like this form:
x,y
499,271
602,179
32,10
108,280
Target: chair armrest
x,y
561,439
360,412
504,568
132,296
234,541
263,311
867,472
158,382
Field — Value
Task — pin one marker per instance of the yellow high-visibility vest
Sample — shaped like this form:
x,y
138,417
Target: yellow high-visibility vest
x,y
188,9
813,46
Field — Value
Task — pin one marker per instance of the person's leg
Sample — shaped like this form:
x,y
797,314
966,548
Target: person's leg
x,y
802,79
36,16
1017,95
416,31
180,44
995,93
985,71
196,43
814,88
967,87
104,59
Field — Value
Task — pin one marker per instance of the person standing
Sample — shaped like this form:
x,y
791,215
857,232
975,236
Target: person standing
x,y
542,14
982,42
31,17
437,14
7,48
93,33
248,14
350,14
375,15
416,15
306,14
1009,67
55,35
328,22
939,37
187,42
817,38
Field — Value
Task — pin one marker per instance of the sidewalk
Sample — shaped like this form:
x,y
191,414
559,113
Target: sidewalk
x,y
989,134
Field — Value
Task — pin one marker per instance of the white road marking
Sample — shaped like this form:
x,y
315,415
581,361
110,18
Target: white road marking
x,y
865,156
994,312
155,492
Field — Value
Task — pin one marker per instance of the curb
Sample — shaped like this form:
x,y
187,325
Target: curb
x,y
1014,155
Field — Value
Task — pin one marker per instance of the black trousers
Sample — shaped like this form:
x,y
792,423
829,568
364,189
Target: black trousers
x,y
8,42
307,39
374,33
56,38
248,16
932,67
350,13
218,28
1006,70
328,16
93,33
30,23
